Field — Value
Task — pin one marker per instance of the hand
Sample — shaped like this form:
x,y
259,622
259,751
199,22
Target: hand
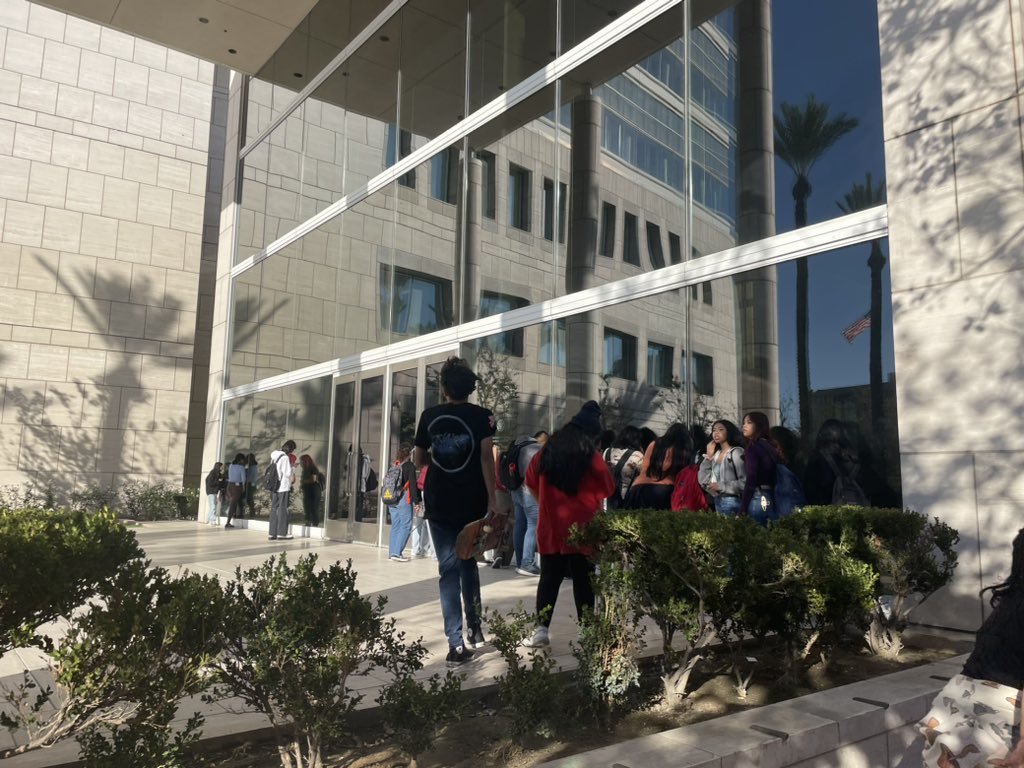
x,y
712,487
1013,760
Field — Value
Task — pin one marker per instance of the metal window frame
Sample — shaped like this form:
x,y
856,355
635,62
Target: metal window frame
x,y
852,229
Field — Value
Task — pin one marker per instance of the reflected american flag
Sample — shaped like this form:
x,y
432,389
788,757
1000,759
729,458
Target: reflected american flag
x,y
854,329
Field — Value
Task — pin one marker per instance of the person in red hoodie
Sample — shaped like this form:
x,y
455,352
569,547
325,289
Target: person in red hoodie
x,y
570,480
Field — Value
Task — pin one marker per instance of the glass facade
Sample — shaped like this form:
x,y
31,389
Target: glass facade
x,y
651,152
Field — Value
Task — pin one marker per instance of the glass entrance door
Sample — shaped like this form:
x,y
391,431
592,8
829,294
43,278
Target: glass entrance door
x,y
366,439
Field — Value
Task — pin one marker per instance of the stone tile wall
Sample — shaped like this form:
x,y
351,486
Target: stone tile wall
x,y
104,142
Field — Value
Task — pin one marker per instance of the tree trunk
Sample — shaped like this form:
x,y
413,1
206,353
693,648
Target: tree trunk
x,y
876,263
801,191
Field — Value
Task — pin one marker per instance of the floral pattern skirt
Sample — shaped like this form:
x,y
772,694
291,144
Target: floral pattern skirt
x,y
970,722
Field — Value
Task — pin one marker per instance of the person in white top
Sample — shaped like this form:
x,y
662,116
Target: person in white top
x,y
279,498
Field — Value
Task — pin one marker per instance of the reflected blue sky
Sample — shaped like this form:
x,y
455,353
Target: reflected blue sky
x,y
830,49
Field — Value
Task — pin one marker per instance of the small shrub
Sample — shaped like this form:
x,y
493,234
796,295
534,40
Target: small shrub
x,y
913,557
673,567
416,712
93,498
148,501
609,641
297,637
53,561
530,690
122,669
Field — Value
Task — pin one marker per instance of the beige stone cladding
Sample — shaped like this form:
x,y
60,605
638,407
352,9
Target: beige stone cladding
x,y
103,172
951,85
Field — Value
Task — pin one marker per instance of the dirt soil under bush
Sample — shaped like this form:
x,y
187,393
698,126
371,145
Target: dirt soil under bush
x,y
481,737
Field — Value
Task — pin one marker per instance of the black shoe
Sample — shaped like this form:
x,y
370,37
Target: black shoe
x,y
458,656
271,538
497,562
476,638
228,525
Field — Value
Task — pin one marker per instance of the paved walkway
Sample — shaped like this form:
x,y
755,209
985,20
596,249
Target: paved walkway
x,y
411,589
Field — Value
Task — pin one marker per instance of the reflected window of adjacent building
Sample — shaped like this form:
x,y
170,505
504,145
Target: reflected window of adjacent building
x,y
552,350
490,182
619,354
703,374
518,197
510,342
659,365
399,144
548,204
416,303
707,293
607,247
444,175
654,250
630,240
675,248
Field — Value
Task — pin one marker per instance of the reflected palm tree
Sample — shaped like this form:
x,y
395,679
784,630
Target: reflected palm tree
x,y
802,135
860,197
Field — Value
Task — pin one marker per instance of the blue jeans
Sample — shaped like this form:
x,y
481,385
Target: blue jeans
x,y
762,516
211,515
728,505
421,544
401,525
457,578
527,512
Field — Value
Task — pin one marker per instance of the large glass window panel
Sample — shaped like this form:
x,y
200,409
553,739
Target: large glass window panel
x,y
261,423
433,67
326,30
509,343
509,42
318,298
506,253
827,120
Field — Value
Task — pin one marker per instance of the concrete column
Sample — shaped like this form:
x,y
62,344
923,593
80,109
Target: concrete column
x,y
583,332
756,300
470,213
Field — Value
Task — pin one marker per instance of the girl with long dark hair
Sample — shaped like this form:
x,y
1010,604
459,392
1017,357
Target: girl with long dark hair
x,y
664,459
570,481
975,719
760,462
312,484
722,471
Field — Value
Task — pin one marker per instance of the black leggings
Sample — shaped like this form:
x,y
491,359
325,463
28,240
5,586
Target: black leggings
x,y
553,569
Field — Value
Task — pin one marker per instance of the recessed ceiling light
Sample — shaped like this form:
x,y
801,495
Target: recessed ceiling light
x,y
232,51
613,14
296,74
384,38
344,74
203,20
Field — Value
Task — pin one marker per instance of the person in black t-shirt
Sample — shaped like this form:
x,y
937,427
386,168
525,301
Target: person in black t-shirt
x,y
455,440
975,719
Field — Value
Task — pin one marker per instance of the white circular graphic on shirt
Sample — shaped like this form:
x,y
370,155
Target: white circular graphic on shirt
x,y
451,443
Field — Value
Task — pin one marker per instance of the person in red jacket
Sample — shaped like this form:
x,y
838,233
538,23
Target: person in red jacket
x,y
570,480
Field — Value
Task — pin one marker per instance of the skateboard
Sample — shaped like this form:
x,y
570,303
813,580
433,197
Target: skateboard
x,y
477,537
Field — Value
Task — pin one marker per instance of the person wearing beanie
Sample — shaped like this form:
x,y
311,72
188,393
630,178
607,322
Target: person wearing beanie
x,y
589,419
570,481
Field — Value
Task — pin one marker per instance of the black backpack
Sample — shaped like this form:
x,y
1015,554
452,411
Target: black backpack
x,y
510,470
271,478
393,489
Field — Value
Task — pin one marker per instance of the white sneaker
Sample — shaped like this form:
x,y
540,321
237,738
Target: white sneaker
x,y
539,639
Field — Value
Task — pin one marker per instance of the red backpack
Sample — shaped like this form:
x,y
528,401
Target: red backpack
x,y
687,493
